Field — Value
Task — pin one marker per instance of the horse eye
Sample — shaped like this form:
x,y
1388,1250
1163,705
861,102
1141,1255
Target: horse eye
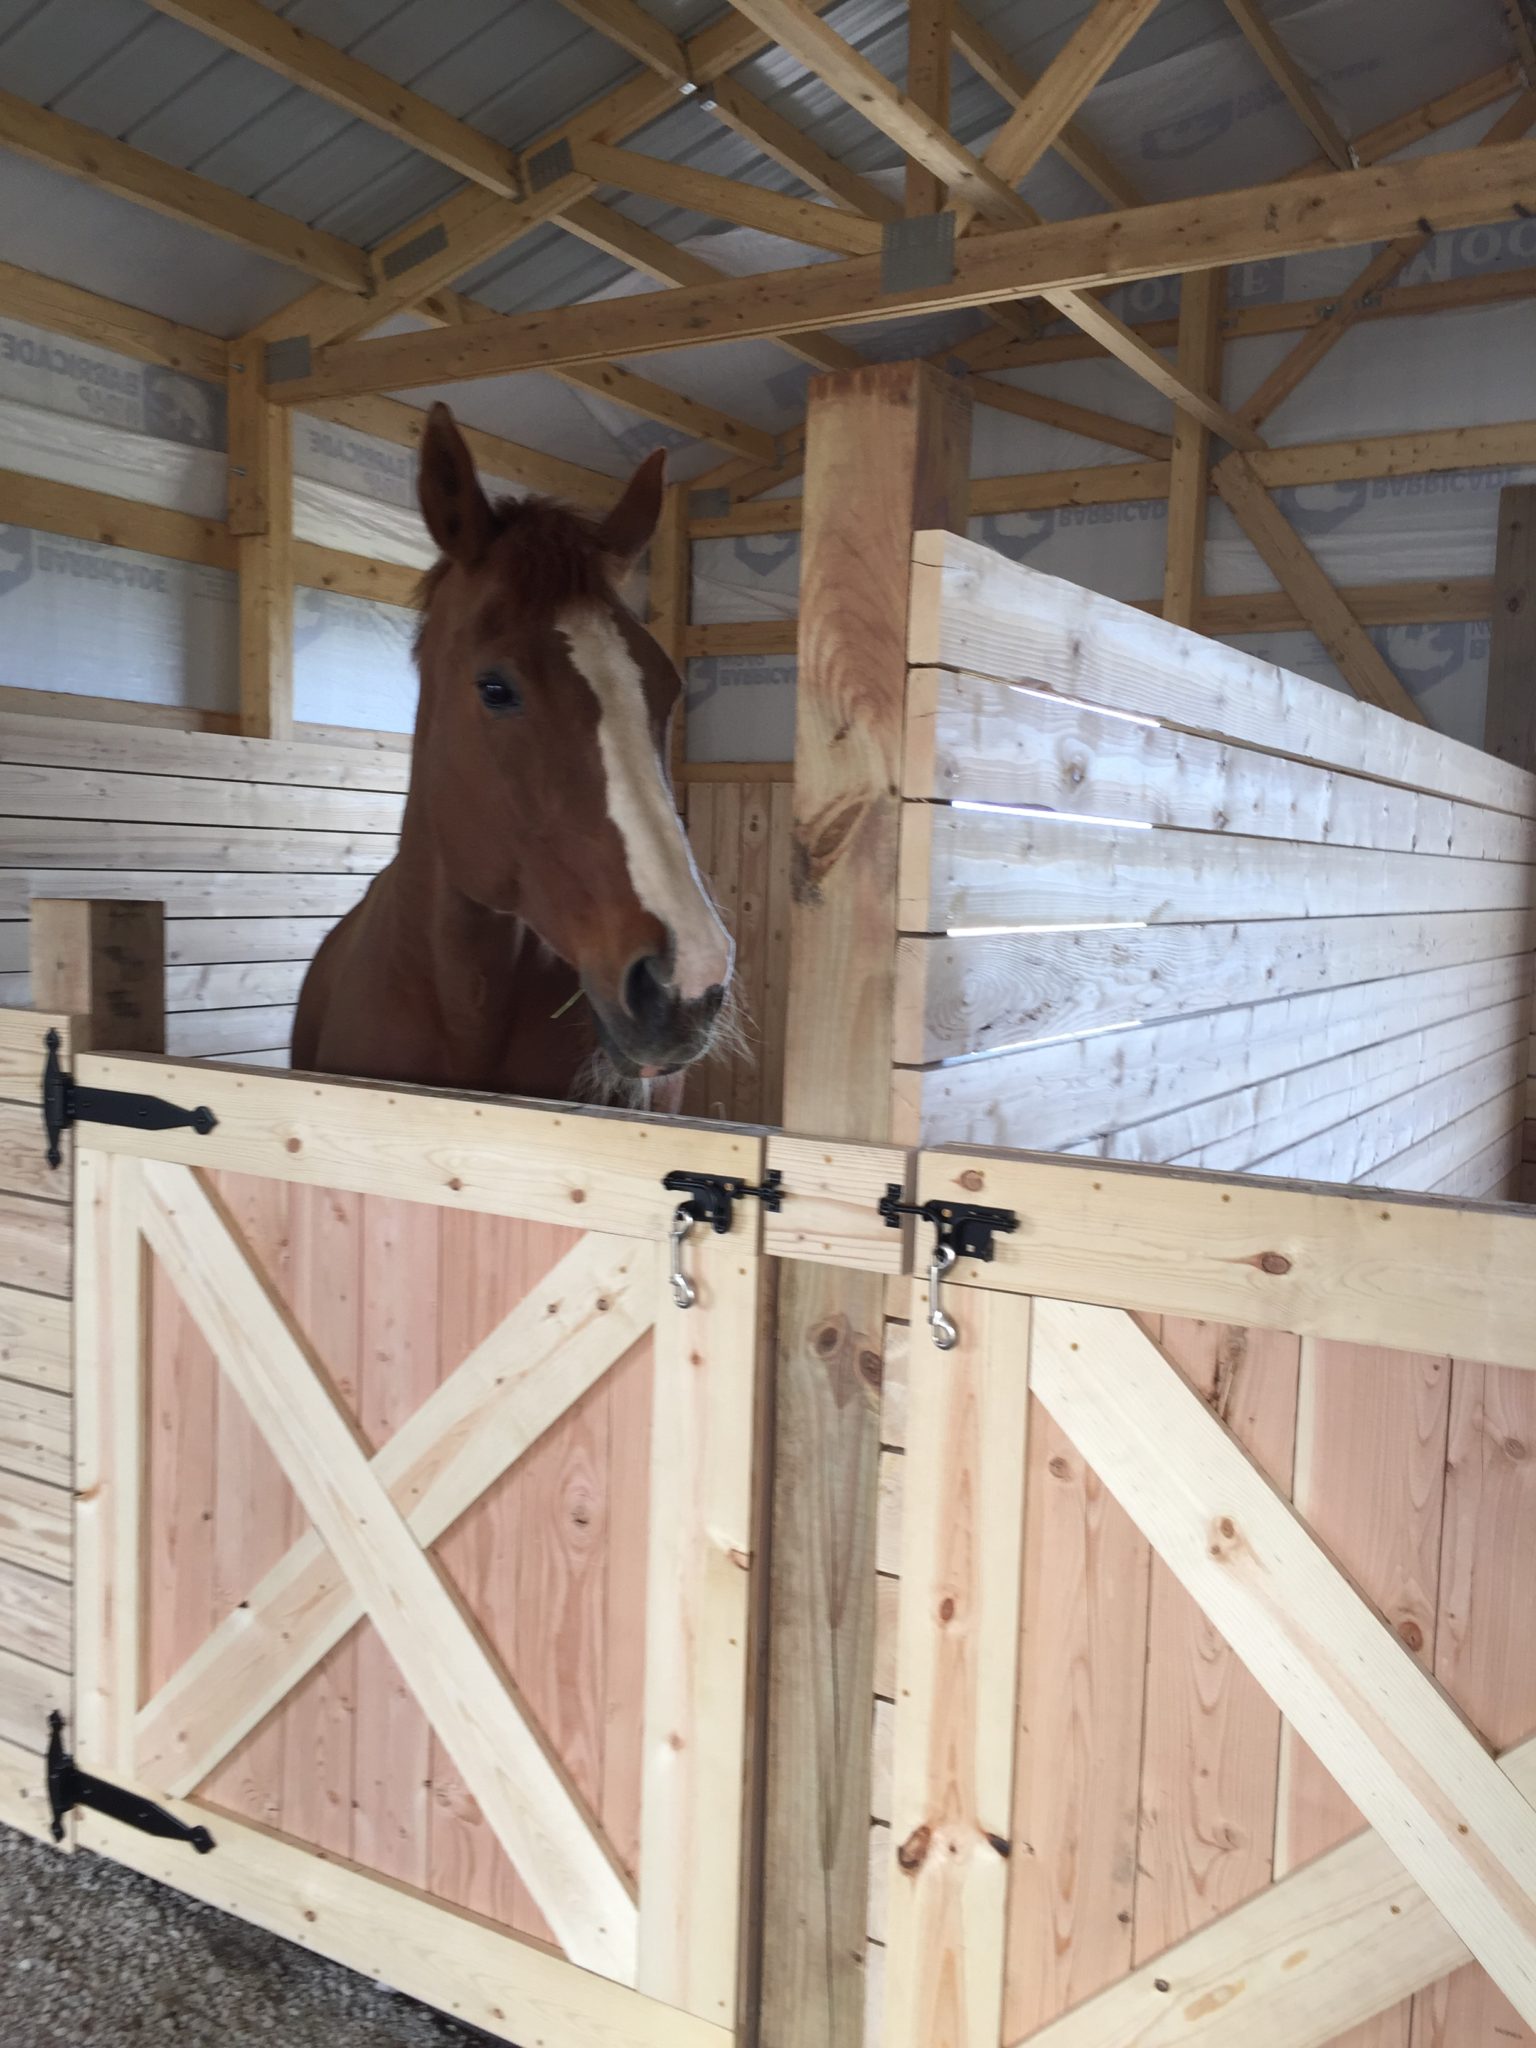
x,y
496,693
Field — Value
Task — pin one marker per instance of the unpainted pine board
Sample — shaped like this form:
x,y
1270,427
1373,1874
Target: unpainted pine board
x,y
982,992
972,738
325,1299
1509,728
24,1168
963,869
973,609
1370,1484
630,1410
887,1602
36,1520
1427,1161
725,875
101,795
962,1562
35,1339
1082,1675
781,798
24,1797
48,842
219,1034
29,1693
98,744
1485,1650
698,799
35,1433
35,1242
751,941
1212,1734
255,1513
397,1370
35,1617
213,897
23,1044
181,1391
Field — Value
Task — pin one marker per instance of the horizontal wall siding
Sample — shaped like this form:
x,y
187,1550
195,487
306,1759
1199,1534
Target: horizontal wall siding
x,y
1162,902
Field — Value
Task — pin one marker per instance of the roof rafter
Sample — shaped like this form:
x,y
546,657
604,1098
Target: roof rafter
x,y
798,29
1292,81
357,88
1038,120
130,173
730,199
1010,81
1457,189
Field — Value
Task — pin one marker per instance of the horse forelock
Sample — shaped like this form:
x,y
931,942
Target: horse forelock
x,y
543,557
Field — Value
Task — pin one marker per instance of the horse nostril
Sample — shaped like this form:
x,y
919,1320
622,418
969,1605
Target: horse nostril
x,y
647,990
711,1000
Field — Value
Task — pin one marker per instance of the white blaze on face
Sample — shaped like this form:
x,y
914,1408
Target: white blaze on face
x,y
640,804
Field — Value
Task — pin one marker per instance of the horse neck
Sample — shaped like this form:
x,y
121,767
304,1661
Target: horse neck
x,y
492,982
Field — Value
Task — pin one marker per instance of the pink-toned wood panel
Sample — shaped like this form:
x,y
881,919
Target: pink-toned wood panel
x,y
392,1296
1370,1483
1212,1736
1485,1647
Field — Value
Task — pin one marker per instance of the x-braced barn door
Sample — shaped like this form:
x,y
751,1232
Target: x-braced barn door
x,y
414,1539
1216,1682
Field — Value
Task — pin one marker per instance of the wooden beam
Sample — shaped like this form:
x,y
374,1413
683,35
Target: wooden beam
x,y
103,963
1060,258
930,29
1010,81
1309,589
1071,419
602,228
888,447
1282,67
261,514
83,514
1055,97
1509,728
1523,35
129,173
975,187
1383,267
629,25
730,199
668,601
319,67
1200,297
86,316
756,122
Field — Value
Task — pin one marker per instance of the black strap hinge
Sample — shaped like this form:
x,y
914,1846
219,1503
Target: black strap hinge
x,y
712,1196
66,1103
69,1787
962,1227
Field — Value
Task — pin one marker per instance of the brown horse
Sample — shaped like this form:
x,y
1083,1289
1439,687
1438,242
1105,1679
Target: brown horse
x,y
542,929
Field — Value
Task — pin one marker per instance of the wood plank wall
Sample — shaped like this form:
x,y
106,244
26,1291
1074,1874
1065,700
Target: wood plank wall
x,y
255,847
1164,902
36,1238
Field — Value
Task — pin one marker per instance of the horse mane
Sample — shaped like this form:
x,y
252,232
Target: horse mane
x,y
545,555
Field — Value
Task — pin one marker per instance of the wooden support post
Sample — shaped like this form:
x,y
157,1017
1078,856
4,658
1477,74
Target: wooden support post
x,y
261,515
1509,723
103,963
1200,303
887,455
930,26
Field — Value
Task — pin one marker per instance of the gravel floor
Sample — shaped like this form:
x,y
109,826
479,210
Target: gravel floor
x,y
93,1956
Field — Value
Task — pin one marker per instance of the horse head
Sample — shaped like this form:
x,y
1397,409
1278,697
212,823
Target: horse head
x,y
541,768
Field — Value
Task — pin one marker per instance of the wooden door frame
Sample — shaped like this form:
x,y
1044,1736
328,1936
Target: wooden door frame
x,y
668,1950
1447,1871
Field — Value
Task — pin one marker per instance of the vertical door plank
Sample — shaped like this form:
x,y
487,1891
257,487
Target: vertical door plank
x,y
698,1617
181,1429
1209,1771
326,1303
629,1500
109,1455
256,1516
1082,1673
392,1743
701,837
1370,1483
1485,1645
751,941
957,1658
776,950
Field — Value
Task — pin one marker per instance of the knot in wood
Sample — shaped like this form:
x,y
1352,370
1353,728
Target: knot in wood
x,y
1411,1634
872,1368
973,1180
913,1852
1275,1262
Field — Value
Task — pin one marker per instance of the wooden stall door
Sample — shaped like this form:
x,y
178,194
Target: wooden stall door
x,y
1216,1692
415,1541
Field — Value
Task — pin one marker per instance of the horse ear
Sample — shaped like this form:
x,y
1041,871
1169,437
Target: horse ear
x,y
457,511
626,533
